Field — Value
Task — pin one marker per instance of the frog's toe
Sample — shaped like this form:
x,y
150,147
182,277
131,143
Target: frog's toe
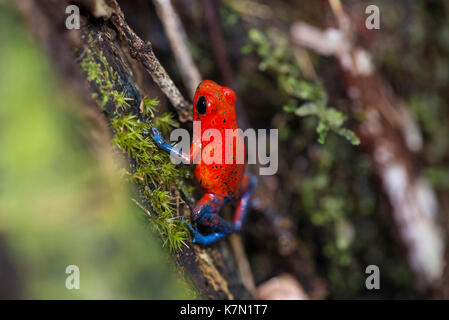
x,y
158,140
188,225
155,131
196,235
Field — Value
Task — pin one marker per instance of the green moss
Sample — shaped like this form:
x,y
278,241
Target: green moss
x,y
105,77
156,176
159,181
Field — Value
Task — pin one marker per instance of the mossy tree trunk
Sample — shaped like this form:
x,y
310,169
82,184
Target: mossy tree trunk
x,y
212,269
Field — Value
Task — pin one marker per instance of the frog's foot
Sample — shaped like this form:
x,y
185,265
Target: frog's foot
x,y
206,214
205,239
244,202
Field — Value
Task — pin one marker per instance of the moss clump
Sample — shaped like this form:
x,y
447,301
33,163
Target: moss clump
x,y
105,77
157,178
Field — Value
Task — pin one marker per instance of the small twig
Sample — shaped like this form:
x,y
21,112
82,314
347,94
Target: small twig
x,y
242,263
143,52
216,39
178,42
250,9
343,21
141,207
134,175
303,59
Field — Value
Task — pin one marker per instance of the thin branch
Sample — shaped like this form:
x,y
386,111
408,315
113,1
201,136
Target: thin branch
x,y
143,52
142,207
178,41
243,263
216,39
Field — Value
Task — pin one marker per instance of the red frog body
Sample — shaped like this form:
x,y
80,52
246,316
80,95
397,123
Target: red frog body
x,y
219,178
221,175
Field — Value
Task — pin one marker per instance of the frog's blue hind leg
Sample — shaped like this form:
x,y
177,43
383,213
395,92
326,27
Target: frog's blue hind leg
x,y
207,209
248,186
206,214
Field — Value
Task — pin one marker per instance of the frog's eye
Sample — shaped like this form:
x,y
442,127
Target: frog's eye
x,y
201,105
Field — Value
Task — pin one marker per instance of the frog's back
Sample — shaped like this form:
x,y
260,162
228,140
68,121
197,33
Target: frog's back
x,y
221,177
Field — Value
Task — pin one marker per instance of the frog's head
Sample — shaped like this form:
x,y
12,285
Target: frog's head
x,y
212,99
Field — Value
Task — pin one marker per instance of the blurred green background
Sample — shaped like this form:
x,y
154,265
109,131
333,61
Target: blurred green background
x,y
62,202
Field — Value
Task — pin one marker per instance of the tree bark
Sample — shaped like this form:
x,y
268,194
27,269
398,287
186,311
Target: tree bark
x,y
212,269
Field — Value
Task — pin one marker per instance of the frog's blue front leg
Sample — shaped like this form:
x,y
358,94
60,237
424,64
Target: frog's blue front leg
x,y
161,143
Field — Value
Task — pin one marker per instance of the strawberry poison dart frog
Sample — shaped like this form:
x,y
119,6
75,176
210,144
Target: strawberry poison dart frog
x,y
224,178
